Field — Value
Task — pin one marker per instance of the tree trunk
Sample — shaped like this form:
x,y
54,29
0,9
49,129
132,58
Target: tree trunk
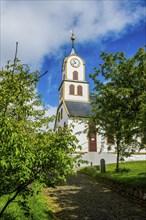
x,y
20,188
118,157
9,201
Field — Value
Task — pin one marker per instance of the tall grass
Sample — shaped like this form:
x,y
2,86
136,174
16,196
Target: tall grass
x,y
38,208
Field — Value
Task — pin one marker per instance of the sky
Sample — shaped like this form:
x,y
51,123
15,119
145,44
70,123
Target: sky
x,y
42,29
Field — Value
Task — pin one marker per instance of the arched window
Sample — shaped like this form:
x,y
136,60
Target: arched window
x,y
143,138
75,75
80,90
59,117
71,89
61,113
110,140
65,125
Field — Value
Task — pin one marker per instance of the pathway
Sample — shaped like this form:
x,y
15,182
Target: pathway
x,y
81,198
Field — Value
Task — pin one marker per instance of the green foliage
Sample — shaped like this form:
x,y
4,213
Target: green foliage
x,y
29,150
90,171
119,106
16,211
133,173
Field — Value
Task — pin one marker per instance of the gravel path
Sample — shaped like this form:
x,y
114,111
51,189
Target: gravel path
x,y
84,199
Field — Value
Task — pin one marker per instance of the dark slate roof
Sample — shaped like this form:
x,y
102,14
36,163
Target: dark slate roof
x,y
79,109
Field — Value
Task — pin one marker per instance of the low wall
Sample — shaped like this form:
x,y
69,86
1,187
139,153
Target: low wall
x,y
125,189
94,158
109,157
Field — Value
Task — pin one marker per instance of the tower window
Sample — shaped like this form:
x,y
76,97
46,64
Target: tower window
x,y
71,89
59,117
61,113
65,125
75,75
79,90
143,139
110,139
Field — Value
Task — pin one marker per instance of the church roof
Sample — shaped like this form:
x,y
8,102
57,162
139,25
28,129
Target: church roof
x,y
78,109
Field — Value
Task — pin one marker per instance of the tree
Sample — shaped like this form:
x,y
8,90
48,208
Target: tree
x,y
29,150
119,106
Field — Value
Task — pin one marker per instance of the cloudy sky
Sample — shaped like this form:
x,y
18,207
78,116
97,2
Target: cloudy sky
x,y
42,29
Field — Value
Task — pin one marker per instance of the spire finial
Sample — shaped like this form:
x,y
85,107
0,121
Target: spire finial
x,y
72,39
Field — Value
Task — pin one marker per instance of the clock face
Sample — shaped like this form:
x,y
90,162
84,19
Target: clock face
x,y
75,62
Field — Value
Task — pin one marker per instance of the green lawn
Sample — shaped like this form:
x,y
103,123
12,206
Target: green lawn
x,y
133,173
38,207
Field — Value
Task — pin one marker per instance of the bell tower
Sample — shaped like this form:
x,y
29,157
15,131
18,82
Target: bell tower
x,y
74,86
74,104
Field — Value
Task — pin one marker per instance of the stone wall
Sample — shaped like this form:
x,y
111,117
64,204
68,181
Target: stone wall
x,y
125,189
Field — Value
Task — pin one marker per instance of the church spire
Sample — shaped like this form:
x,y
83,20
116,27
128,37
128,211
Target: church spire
x,y
72,39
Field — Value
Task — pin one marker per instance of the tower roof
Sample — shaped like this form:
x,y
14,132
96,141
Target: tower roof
x,y
79,109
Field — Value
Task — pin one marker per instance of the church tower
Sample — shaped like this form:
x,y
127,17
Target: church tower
x,y
74,102
74,86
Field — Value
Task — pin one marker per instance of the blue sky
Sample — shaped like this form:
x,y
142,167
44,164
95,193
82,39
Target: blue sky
x,y
42,29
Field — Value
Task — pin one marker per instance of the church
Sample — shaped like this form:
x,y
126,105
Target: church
x,y
74,108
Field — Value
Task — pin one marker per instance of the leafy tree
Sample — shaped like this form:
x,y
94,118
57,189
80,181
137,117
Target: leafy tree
x,y
29,150
119,106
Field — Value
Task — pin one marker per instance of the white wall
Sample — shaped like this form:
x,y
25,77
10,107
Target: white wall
x,y
65,116
103,147
82,138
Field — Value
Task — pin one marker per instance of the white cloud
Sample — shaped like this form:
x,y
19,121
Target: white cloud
x,y
51,111
41,27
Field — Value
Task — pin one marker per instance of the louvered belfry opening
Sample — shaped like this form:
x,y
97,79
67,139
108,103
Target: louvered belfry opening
x,y
71,89
80,90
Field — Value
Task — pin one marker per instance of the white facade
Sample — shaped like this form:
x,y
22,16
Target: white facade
x,y
79,126
62,116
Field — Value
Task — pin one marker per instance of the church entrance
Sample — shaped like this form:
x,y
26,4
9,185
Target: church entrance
x,y
92,140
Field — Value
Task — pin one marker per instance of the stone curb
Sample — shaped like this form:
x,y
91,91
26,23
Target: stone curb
x,y
125,188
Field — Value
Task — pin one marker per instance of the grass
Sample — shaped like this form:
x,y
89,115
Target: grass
x,y
38,207
131,173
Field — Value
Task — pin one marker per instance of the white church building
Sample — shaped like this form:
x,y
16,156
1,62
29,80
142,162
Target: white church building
x,y
74,108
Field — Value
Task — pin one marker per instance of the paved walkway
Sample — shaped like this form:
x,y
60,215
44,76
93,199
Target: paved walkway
x,y
83,199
